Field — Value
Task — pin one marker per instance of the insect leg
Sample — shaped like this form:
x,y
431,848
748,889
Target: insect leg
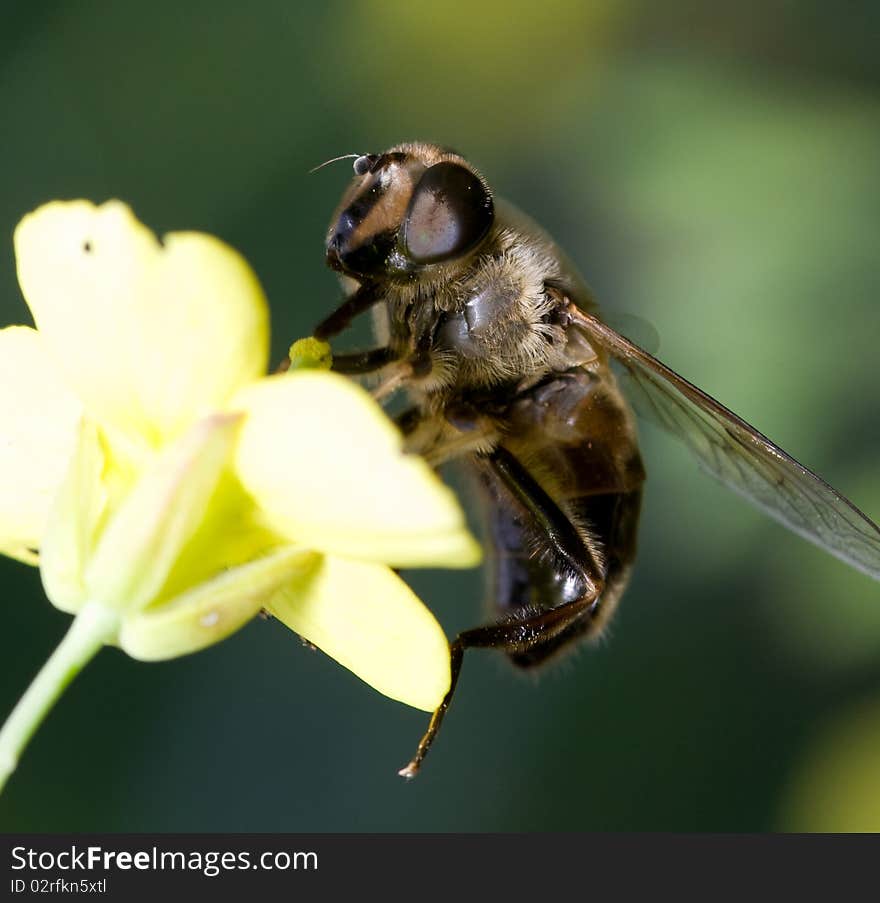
x,y
580,578
417,364
362,300
359,362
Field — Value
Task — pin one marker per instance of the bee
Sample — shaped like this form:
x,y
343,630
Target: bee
x,y
507,367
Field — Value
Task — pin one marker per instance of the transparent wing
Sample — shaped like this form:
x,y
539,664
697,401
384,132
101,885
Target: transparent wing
x,y
738,455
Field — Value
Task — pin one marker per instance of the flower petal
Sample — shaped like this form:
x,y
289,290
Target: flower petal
x,y
212,610
148,532
149,335
38,428
364,616
325,464
74,522
231,533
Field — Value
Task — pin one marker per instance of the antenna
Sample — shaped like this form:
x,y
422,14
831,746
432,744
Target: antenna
x,y
335,160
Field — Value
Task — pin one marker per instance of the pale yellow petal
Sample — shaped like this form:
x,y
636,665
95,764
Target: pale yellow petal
x,y
212,610
74,522
38,428
325,464
148,334
231,533
366,618
148,532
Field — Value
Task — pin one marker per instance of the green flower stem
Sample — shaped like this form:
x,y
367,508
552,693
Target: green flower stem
x,y
93,626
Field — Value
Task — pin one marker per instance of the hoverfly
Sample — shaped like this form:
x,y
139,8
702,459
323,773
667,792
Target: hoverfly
x,y
507,365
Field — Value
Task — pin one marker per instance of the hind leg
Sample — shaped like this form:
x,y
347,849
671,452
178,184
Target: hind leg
x,y
575,566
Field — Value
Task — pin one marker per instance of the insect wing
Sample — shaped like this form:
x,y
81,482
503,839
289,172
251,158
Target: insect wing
x,y
738,455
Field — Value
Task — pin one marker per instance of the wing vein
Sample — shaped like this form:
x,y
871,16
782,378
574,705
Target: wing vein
x,y
734,452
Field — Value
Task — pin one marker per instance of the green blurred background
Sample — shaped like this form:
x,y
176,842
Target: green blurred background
x,y
712,169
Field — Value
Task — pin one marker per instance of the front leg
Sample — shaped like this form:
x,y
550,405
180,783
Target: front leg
x,y
361,301
417,363
359,363
398,369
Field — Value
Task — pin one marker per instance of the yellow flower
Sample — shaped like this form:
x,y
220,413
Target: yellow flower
x,y
169,490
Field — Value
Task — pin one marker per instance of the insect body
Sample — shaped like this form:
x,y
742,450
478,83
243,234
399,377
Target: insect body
x,y
499,347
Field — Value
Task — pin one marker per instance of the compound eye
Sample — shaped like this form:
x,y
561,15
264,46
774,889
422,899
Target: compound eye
x,y
449,214
364,163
